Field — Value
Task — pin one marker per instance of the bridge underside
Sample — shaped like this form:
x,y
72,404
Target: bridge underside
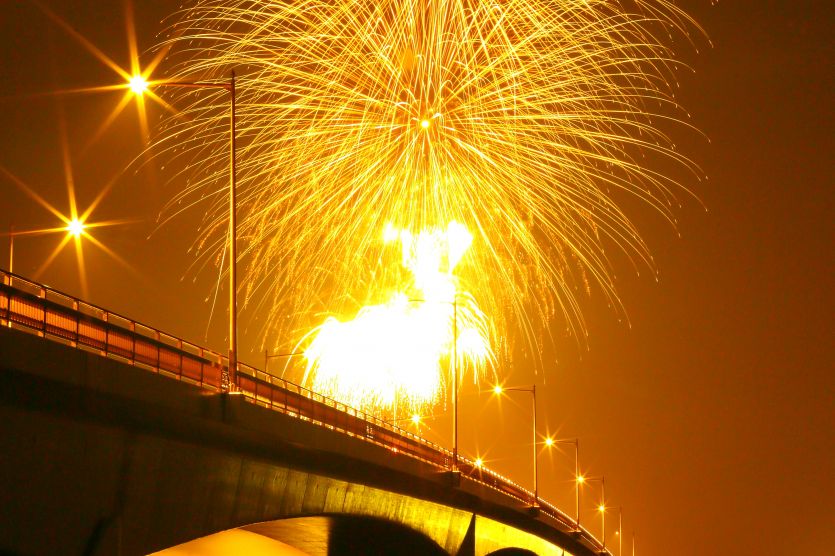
x,y
319,536
103,458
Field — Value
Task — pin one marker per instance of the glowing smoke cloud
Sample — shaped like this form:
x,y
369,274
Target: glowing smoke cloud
x,y
401,350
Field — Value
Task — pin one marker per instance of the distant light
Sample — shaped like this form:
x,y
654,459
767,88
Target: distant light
x,y
424,124
416,419
617,532
479,462
497,389
549,442
601,508
581,479
75,227
138,84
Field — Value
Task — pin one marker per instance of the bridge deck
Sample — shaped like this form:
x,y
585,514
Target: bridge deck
x,y
62,318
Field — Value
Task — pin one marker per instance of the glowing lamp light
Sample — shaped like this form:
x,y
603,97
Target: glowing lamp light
x,y
497,389
424,124
601,508
138,84
416,419
549,442
75,227
581,479
479,462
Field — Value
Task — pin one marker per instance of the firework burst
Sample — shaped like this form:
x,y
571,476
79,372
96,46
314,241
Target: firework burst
x,y
391,356
527,121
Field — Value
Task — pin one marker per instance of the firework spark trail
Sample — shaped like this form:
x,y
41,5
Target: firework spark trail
x,y
528,121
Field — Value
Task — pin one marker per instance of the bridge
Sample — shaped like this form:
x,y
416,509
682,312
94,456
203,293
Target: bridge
x,y
121,439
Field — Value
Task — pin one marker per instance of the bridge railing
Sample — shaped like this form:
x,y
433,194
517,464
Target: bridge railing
x,y
72,321
78,323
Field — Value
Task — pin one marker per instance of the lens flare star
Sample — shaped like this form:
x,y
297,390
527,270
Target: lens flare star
x,y
133,80
75,227
138,84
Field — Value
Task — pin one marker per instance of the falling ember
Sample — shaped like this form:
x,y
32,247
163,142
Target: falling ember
x,y
399,353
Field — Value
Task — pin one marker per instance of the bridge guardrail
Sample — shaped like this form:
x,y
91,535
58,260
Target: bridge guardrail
x,y
70,320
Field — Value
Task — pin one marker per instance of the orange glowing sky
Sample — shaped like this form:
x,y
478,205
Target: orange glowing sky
x,y
711,416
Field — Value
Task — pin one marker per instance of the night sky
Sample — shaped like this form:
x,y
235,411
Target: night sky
x,y
712,414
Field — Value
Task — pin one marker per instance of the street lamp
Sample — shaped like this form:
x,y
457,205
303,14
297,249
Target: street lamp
x,y
454,304
139,85
415,419
74,228
602,507
620,531
578,479
532,390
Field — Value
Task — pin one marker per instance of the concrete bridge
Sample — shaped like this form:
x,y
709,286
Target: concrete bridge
x,y
119,439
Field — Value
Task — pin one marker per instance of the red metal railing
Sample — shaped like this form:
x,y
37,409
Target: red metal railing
x,y
64,318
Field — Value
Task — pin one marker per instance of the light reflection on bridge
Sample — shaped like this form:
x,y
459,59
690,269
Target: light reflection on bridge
x,y
59,317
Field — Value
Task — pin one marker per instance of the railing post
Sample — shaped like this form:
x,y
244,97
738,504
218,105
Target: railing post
x,y
180,355
133,343
202,366
106,333
77,318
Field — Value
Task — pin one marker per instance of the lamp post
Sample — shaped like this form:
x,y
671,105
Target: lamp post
x,y
416,419
455,383
619,532
74,227
602,507
578,479
532,390
138,85
454,366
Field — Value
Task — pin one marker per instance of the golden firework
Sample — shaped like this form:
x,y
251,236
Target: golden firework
x,y
527,121
391,356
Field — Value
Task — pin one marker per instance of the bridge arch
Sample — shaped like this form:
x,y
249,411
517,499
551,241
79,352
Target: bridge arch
x,y
326,535
512,552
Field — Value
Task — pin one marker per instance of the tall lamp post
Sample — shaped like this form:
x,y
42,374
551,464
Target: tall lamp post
x,y
578,479
602,507
454,366
532,390
619,532
455,383
138,85
74,227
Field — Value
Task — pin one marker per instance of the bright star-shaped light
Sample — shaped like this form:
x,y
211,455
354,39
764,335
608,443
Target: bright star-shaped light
x,y
75,227
497,389
424,124
416,419
138,84
479,462
549,442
